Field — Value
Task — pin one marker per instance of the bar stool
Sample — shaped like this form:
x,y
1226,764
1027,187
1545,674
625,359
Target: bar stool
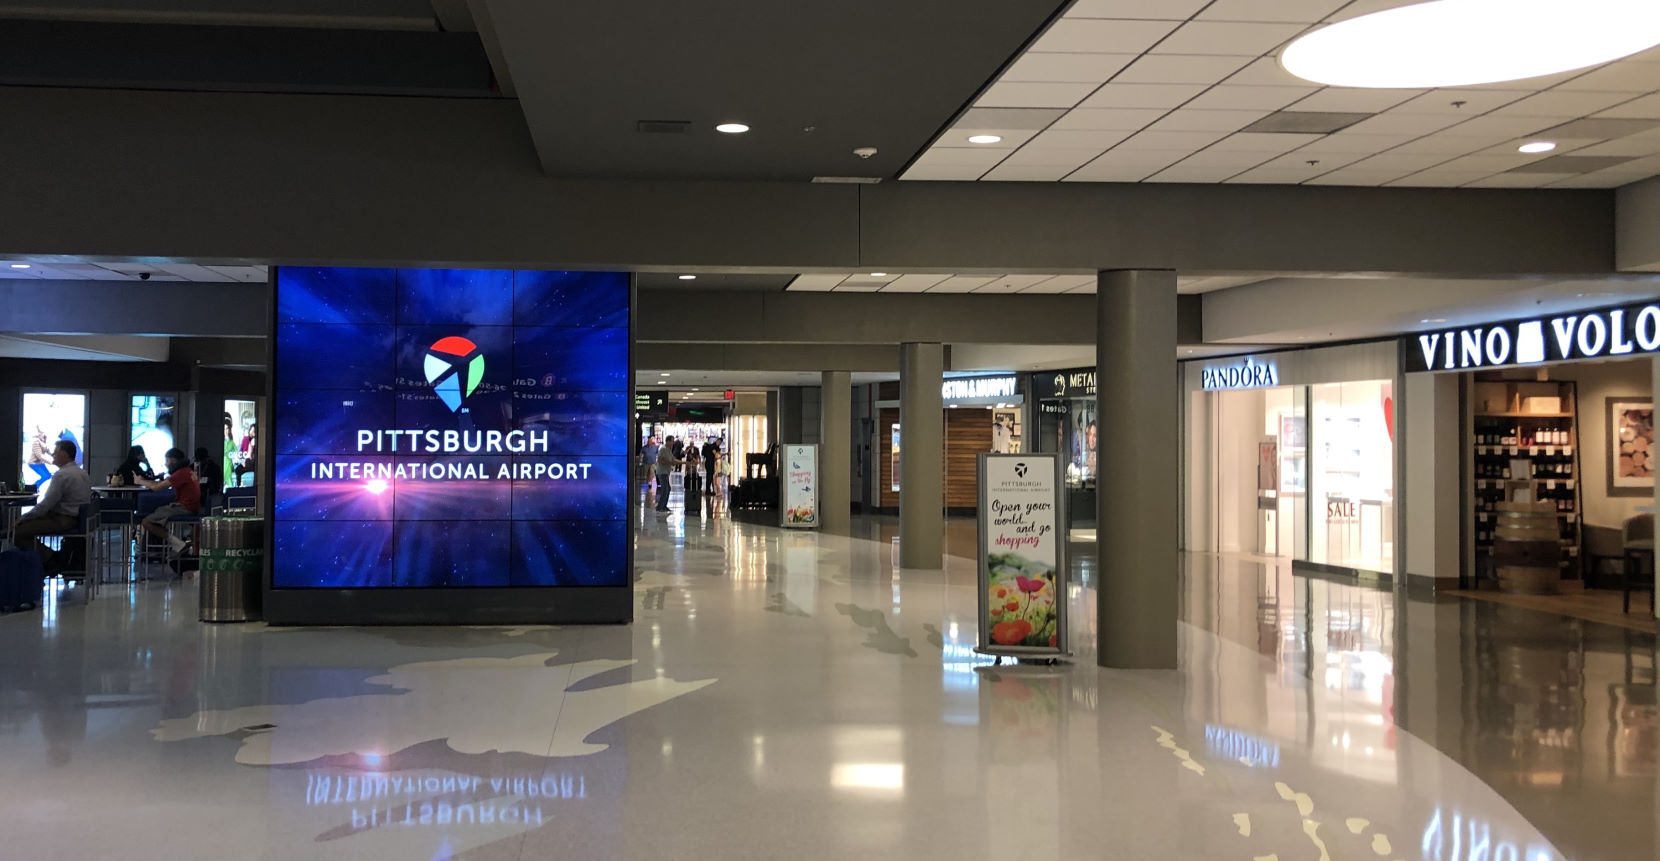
x,y
1637,541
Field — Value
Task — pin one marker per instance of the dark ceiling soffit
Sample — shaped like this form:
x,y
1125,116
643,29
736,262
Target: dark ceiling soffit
x,y
243,59
968,105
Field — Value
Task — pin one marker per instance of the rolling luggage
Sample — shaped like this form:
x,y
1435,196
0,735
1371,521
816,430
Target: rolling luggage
x,y
22,580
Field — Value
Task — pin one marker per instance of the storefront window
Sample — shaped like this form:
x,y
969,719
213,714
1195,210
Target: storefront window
x,y
1352,475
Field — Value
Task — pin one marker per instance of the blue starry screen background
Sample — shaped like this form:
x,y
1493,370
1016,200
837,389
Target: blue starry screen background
x,y
349,351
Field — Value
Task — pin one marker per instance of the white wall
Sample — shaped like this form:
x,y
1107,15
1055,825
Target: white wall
x,y
1431,474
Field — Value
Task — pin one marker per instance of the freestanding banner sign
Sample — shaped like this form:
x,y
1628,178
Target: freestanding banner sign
x,y
1022,556
800,487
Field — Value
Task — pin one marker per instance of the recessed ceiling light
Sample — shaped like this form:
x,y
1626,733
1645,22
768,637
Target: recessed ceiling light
x,y
1537,146
1452,43
664,374
1433,320
732,128
20,266
688,277
985,139
878,274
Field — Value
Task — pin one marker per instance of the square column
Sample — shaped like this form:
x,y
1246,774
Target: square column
x,y
1137,498
922,456
835,451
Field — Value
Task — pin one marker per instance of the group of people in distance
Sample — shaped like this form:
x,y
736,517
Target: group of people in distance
x,y
69,491
664,457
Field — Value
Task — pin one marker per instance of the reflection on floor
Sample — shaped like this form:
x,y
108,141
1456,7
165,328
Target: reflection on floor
x,y
1592,605
793,695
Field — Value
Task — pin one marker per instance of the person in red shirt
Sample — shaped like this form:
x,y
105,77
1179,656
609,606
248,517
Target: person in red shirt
x,y
187,497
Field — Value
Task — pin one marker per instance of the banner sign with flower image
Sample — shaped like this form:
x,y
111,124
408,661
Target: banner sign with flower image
x,y
800,506
1022,558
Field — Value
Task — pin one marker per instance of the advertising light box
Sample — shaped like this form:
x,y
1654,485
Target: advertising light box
x,y
450,446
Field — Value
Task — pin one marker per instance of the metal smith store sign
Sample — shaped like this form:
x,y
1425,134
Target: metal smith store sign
x,y
1631,330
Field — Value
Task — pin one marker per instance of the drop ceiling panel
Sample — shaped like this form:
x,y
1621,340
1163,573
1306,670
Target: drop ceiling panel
x,y
1173,10
1347,99
816,283
1015,94
1115,95
1059,284
916,282
1184,120
1067,158
1011,283
1231,97
1292,11
961,284
1109,119
1028,172
1179,69
1080,68
1178,79
1228,38
1090,36
1072,139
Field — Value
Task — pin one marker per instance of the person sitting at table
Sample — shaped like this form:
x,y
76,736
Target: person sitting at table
x,y
187,498
208,471
58,512
136,466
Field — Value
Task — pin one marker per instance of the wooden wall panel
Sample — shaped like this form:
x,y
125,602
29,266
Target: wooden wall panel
x,y
967,434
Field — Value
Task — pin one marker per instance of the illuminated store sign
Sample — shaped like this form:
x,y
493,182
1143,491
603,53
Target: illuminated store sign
x,y
1631,330
1249,374
980,388
450,431
1078,383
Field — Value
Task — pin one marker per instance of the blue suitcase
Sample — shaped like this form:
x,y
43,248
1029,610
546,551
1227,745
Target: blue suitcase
x,y
22,580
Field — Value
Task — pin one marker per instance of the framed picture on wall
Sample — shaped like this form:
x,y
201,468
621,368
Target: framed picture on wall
x,y
1630,447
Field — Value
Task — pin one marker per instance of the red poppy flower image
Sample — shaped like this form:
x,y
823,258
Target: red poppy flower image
x,y
1051,641
1010,633
1027,584
1013,605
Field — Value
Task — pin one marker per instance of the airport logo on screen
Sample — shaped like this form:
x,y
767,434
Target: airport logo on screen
x,y
446,363
1631,330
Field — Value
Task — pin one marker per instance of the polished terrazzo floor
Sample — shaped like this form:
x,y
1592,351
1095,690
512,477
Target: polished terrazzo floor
x,y
793,695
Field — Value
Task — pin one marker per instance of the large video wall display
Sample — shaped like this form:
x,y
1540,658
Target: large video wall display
x,y
450,429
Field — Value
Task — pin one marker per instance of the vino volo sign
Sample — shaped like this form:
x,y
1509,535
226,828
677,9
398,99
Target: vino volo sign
x,y
1628,330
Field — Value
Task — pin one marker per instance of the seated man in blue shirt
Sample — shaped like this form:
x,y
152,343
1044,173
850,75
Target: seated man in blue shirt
x,y
68,491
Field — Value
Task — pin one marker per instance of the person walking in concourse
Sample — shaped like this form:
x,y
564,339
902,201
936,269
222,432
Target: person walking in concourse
x,y
67,492
666,462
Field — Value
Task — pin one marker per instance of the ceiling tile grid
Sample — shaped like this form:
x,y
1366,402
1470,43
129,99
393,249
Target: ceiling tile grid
x,y
1169,90
936,282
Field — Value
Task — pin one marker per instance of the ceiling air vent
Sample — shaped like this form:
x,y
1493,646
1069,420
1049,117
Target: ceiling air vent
x,y
662,127
1305,122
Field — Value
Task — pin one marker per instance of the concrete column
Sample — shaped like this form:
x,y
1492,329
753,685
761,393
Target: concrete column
x,y
1137,496
921,455
1429,425
835,451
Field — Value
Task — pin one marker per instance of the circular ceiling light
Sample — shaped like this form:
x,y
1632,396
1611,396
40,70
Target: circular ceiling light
x,y
1536,146
1452,43
732,128
984,139
688,277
